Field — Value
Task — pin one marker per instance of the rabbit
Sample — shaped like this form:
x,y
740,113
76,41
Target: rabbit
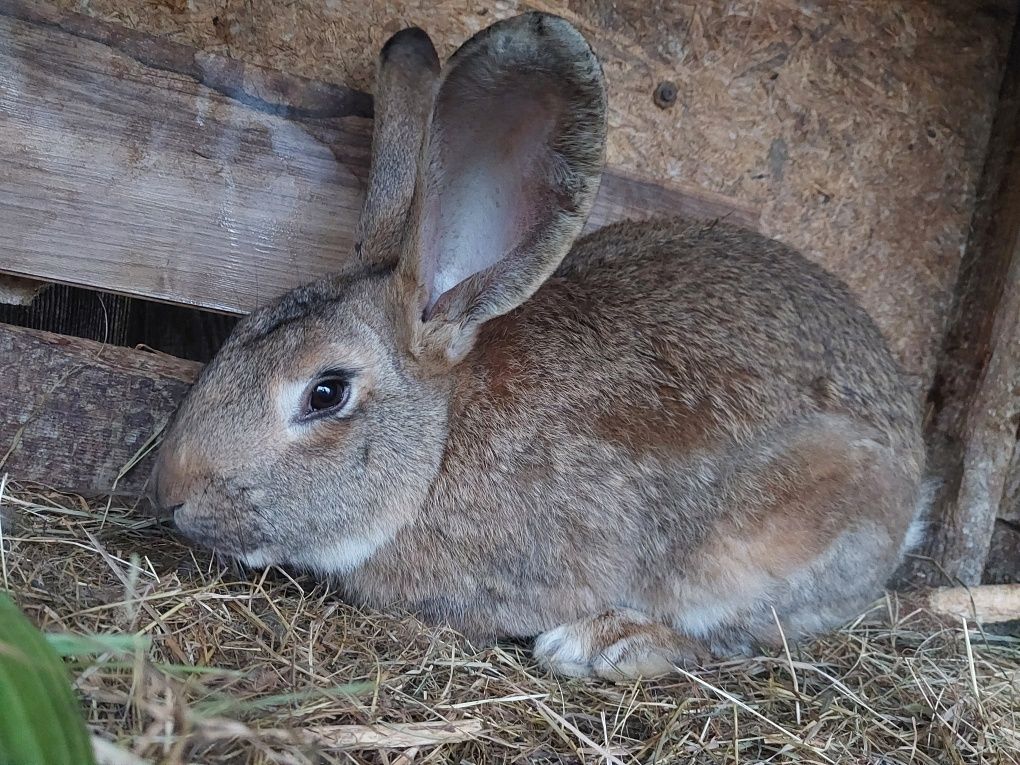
x,y
665,442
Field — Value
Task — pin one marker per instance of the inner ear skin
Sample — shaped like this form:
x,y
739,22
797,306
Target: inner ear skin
x,y
494,165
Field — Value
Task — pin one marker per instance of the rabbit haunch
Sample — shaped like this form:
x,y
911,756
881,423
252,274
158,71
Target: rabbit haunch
x,y
663,441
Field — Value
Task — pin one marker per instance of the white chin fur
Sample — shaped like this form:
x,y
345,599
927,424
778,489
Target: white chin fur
x,y
256,559
338,557
335,558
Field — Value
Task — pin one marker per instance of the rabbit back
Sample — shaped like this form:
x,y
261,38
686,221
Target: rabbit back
x,y
686,418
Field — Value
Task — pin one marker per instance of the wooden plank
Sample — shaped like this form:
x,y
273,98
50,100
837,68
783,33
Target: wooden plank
x,y
141,166
76,412
145,168
989,604
976,397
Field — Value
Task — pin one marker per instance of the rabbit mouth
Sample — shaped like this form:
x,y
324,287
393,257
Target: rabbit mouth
x,y
224,535
227,549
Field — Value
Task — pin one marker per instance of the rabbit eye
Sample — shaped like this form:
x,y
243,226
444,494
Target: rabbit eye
x,y
328,393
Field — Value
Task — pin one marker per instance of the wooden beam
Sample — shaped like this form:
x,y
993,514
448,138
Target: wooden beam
x,y
137,165
976,398
989,604
76,413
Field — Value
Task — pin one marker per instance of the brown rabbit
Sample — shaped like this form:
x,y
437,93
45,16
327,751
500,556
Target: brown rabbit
x,y
650,446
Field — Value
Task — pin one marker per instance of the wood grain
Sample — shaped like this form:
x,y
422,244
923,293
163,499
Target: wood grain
x,y
141,166
76,412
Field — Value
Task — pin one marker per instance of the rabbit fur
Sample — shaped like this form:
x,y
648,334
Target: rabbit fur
x,y
665,441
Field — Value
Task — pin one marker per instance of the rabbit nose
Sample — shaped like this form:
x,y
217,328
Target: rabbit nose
x,y
165,502
163,506
167,489
181,466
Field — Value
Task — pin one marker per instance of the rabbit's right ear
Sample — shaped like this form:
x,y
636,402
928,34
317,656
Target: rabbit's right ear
x,y
406,77
509,170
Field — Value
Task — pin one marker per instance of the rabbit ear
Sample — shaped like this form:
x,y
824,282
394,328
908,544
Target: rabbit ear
x,y
509,171
407,73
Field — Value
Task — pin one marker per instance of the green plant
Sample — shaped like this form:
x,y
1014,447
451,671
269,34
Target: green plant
x,y
40,720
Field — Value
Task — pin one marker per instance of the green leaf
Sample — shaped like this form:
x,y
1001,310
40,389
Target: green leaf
x,y
66,644
40,721
218,707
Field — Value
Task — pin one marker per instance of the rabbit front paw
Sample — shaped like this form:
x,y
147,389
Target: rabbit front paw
x,y
616,645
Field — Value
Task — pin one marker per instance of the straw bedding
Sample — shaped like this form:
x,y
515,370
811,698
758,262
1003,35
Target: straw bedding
x,y
267,667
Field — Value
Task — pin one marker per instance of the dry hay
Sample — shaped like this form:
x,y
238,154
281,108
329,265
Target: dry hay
x,y
266,668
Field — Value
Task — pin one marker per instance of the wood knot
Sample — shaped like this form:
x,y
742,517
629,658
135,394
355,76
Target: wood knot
x,y
665,94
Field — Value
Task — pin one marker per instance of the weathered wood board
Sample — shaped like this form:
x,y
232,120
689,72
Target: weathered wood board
x,y
75,413
136,165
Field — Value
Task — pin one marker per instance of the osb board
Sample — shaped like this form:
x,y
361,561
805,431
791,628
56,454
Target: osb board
x,y
858,128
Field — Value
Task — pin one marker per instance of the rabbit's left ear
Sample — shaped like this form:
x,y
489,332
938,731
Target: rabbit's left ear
x,y
405,85
509,170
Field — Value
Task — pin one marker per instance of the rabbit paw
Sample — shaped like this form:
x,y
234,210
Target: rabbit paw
x,y
616,645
